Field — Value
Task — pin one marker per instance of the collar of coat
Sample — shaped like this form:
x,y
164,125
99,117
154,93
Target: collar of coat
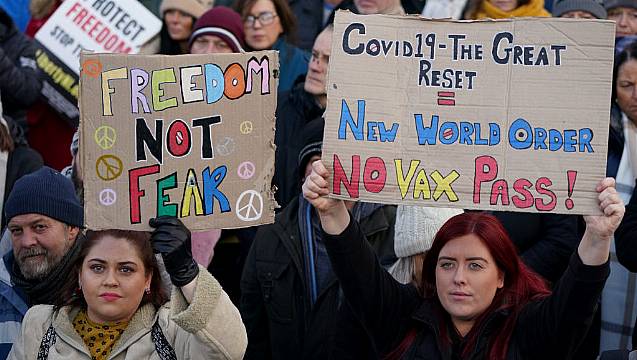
x,y
139,325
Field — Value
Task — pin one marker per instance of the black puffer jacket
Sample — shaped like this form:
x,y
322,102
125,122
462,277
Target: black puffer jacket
x,y
295,109
20,82
551,328
275,306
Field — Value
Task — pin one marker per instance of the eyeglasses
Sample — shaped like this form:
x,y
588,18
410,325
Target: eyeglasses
x,y
265,18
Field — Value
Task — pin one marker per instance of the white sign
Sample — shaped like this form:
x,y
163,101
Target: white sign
x,y
112,26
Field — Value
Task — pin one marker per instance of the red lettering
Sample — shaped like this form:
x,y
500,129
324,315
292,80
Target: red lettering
x,y
521,186
73,8
500,189
80,16
178,138
486,170
87,23
541,187
351,185
374,175
134,192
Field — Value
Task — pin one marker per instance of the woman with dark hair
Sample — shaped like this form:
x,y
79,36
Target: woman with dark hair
x,y
617,299
114,307
479,301
502,9
178,19
270,24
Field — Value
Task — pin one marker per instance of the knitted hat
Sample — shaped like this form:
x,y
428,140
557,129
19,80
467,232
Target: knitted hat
x,y
610,4
312,137
416,227
194,8
45,192
594,7
223,22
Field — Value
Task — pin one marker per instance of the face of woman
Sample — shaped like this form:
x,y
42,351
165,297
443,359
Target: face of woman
x,y
113,280
505,5
625,20
626,89
179,24
466,280
262,25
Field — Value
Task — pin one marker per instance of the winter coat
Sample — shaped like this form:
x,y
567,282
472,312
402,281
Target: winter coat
x,y
20,82
550,328
309,15
209,327
293,63
275,305
13,307
295,109
544,241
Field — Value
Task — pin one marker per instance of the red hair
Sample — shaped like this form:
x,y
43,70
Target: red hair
x,y
521,285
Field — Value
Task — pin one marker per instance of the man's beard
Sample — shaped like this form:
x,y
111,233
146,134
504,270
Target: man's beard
x,y
34,269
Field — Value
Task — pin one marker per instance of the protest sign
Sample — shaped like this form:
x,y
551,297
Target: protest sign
x,y
499,115
188,136
117,26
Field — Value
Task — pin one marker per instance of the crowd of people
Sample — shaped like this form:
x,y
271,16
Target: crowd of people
x,y
329,279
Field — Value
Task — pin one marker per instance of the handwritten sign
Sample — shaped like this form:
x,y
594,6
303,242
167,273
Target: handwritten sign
x,y
500,115
114,26
188,136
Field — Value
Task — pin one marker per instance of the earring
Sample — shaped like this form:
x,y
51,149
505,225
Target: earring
x,y
147,291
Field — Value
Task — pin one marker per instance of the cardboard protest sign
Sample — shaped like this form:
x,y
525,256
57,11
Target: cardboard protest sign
x,y
501,115
116,26
188,136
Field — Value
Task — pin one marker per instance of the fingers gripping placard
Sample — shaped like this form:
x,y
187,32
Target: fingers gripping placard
x,y
169,136
500,115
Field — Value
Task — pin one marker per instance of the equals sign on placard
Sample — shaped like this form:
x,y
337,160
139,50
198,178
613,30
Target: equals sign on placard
x,y
445,98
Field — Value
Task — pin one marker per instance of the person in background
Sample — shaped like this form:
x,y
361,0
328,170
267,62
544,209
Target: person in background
x,y
502,9
624,13
113,307
178,19
270,25
579,9
44,220
289,294
218,30
20,81
479,300
619,302
304,102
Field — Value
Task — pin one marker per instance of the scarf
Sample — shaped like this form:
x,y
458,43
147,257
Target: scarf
x,y
48,290
533,8
99,338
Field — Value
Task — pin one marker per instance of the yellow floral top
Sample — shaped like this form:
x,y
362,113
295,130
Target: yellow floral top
x,y
99,338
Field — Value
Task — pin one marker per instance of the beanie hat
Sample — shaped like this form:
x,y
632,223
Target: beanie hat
x,y
223,22
45,192
312,137
416,227
560,7
194,8
610,4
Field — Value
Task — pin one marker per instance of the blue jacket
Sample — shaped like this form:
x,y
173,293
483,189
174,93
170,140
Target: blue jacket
x,y
294,62
12,307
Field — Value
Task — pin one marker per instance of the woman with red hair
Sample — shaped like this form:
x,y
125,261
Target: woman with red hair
x,y
478,300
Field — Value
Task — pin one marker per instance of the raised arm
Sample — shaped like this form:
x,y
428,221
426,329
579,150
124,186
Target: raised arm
x,y
560,321
381,303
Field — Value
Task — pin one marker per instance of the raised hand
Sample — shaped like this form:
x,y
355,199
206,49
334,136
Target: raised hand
x,y
172,240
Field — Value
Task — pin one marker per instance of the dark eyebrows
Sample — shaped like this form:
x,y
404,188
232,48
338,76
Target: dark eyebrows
x,y
467,259
101,261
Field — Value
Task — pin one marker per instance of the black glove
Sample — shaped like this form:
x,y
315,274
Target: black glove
x,y
172,240
633,198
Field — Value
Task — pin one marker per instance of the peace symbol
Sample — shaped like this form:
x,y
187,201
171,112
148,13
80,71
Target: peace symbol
x,y
246,127
108,197
105,137
226,146
246,170
248,211
108,167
